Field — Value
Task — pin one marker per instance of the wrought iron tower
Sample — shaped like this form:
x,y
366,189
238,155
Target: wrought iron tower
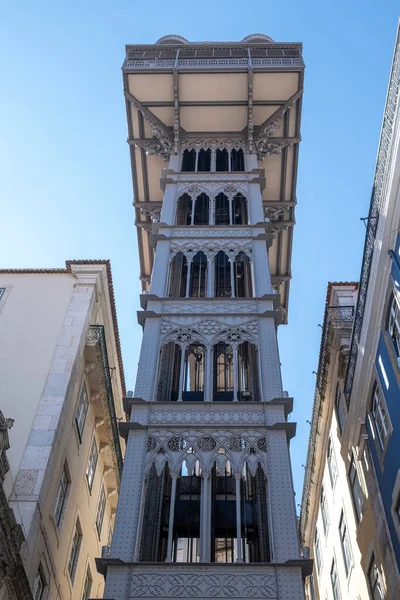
x,y
207,506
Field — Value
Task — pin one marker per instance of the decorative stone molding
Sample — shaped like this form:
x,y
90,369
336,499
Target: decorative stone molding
x,y
213,144
211,307
274,212
207,446
190,248
226,232
153,213
203,584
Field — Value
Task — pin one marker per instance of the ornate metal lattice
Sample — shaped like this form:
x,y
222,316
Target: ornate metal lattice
x,y
206,444
236,444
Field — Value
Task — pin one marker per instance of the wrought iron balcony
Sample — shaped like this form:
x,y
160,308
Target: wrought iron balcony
x,y
96,337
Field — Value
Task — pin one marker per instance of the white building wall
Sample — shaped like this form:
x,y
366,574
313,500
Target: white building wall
x,y
338,499
31,318
47,320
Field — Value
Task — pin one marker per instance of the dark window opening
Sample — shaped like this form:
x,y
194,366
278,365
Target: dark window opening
x,y
189,160
222,160
239,210
198,276
222,276
204,160
223,372
193,382
202,210
237,160
169,372
184,210
248,388
222,210
242,273
178,276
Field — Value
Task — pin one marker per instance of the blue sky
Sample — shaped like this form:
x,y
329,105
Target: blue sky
x,y
65,183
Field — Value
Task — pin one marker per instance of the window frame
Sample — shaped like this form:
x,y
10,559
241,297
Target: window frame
x,y
82,408
393,324
339,409
332,464
380,419
345,544
90,471
358,509
317,551
101,510
41,577
59,508
74,551
335,582
324,511
377,580
86,590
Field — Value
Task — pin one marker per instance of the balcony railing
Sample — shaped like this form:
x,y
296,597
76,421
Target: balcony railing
x,y
96,335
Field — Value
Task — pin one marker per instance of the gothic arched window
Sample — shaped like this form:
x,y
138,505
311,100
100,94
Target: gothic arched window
x,y
222,286
222,160
178,276
247,364
239,210
193,378
169,371
222,210
204,160
237,160
223,371
198,276
189,160
184,210
202,210
242,276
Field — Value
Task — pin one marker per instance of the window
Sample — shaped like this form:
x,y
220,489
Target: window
x,y
74,552
345,543
189,160
87,586
2,290
92,462
394,324
332,466
335,581
242,276
340,412
178,271
184,210
81,411
198,276
223,282
380,418
201,210
100,511
61,496
317,551
356,489
39,585
205,159
324,510
374,580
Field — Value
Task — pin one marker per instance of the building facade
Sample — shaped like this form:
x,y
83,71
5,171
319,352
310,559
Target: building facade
x,y
61,385
365,406
207,507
